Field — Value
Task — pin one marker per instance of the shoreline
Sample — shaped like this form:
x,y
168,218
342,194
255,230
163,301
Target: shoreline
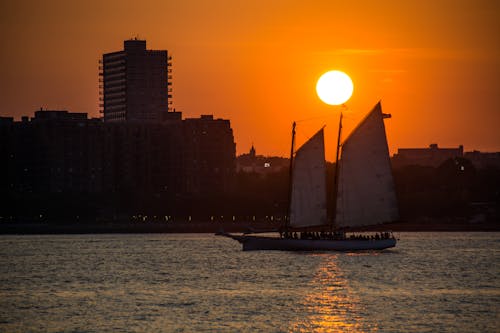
x,y
27,228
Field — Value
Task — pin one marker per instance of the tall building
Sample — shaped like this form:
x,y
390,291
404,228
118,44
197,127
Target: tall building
x,y
135,83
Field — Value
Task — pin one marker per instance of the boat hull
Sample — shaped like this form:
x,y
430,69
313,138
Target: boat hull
x,y
255,243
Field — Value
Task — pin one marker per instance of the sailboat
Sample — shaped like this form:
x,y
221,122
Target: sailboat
x,y
364,189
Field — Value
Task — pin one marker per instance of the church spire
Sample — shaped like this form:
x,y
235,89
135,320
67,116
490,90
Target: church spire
x,y
252,151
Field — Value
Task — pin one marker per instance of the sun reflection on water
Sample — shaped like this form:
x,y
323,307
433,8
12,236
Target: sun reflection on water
x,y
331,306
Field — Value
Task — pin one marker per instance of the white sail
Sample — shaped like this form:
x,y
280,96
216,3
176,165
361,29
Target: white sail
x,y
308,200
365,193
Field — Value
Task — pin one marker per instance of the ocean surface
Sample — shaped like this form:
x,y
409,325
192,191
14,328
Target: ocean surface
x,y
431,282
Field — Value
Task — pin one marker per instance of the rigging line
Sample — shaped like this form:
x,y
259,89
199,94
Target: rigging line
x,y
304,137
343,108
311,118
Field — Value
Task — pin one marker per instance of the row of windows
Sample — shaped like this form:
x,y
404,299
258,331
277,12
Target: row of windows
x,y
113,70
109,106
113,95
114,83
115,88
115,116
115,76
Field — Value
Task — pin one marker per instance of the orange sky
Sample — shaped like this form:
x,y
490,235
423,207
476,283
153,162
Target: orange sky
x,y
434,64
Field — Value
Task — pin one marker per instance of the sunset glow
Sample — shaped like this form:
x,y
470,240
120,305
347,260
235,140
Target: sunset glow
x,y
256,63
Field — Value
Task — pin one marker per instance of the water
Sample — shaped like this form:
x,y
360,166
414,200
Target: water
x,y
432,282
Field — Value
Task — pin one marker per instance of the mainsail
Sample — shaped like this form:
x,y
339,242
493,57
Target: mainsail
x,y
308,198
365,193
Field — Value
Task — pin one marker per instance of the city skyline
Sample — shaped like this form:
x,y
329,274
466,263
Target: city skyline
x,y
434,66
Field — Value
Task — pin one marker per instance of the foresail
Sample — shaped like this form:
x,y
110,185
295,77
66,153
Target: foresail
x,y
366,194
308,199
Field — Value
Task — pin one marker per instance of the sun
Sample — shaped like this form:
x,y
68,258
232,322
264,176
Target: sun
x,y
334,87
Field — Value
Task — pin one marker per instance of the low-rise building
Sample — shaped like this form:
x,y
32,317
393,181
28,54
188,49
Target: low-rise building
x,y
60,151
483,160
433,156
259,164
209,152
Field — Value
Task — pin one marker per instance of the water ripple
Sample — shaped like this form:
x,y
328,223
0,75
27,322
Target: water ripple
x,y
185,283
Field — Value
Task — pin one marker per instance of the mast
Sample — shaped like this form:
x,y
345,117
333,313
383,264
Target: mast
x,y
290,175
336,176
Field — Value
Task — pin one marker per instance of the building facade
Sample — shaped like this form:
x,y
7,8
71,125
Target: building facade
x,y
135,83
64,152
54,152
209,152
433,156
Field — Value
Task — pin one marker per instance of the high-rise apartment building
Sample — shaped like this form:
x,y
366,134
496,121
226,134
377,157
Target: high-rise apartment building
x,y
135,83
